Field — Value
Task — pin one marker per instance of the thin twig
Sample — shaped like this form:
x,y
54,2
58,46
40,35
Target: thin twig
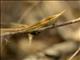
x,y
69,22
61,25
74,54
30,37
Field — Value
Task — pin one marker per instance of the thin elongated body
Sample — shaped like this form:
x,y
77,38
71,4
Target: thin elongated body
x,y
48,21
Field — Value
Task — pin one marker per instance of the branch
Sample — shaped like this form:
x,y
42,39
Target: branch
x,y
74,54
60,25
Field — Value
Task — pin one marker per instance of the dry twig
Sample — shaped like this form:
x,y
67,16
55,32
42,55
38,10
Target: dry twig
x,y
74,54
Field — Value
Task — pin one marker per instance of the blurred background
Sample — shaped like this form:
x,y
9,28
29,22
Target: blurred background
x,y
31,12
